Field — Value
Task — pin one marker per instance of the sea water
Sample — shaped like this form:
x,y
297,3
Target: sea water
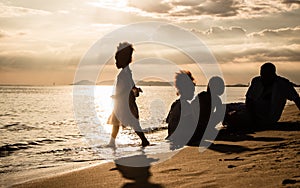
x,y
44,127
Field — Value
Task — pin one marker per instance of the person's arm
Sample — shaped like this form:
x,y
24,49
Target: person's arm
x,y
172,111
172,117
136,91
249,104
297,102
249,101
293,95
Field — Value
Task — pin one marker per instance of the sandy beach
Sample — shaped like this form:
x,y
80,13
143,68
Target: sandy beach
x,y
268,158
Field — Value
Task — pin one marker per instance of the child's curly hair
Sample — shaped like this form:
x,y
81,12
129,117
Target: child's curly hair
x,y
182,78
124,53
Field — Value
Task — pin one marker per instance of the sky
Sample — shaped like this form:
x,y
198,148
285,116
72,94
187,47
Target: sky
x,y
44,42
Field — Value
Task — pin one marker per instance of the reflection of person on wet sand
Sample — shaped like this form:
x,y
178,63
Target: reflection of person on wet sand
x,y
180,119
265,99
125,109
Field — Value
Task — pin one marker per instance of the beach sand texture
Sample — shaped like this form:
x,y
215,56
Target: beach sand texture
x,y
268,158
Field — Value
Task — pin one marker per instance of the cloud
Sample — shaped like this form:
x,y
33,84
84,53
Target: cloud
x,y
260,55
193,10
24,60
280,36
282,32
15,35
291,1
3,34
156,6
36,35
235,45
221,32
219,37
7,11
218,8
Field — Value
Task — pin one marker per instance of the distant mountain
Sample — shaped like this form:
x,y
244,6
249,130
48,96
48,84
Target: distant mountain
x,y
161,83
237,85
84,82
139,83
106,82
153,83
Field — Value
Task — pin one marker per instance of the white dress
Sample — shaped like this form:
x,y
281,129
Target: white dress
x,y
125,109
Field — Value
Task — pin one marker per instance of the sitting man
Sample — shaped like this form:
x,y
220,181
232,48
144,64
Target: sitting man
x,y
265,101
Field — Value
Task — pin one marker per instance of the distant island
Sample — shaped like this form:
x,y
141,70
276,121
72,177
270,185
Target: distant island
x,y
161,83
139,83
153,83
106,82
111,82
238,85
83,82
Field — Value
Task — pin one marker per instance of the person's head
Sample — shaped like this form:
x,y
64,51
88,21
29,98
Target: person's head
x,y
184,82
268,73
216,86
123,55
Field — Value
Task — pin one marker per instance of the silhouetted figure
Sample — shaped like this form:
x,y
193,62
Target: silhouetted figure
x,y
208,105
125,109
267,95
265,101
181,120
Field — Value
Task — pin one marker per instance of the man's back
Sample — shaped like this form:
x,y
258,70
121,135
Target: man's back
x,y
268,101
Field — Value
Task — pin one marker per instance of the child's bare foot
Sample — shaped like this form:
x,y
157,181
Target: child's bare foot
x,y
145,143
112,143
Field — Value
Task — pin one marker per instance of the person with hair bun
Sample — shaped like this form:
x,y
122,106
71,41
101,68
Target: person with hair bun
x,y
125,110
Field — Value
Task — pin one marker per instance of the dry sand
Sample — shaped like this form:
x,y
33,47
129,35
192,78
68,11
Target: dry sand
x,y
269,158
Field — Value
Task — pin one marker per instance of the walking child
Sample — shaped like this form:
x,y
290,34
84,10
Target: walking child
x,y
125,109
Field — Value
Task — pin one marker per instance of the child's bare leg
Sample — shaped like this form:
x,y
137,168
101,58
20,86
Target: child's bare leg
x,y
145,142
115,130
138,130
114,133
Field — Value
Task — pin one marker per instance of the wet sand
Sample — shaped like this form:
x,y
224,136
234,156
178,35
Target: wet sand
x,y
267,158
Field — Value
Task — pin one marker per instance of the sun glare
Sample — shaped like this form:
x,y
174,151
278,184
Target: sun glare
x,y
104,106
103,102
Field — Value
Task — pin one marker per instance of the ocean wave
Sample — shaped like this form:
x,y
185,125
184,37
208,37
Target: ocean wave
x,y
8,115
8,149
17,127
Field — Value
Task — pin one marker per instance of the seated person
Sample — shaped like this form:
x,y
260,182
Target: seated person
x,y
209,109
180,119
265,99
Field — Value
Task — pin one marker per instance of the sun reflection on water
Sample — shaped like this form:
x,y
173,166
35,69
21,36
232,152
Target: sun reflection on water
x,y
103,104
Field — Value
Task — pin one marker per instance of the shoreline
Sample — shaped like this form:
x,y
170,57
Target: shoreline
x,y
22,177
267,158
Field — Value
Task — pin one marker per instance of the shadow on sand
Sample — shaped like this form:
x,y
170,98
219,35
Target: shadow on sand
x,y
136,168
244,135
247,135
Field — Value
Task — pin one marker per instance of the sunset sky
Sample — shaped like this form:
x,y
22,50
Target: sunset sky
x,y
42,42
